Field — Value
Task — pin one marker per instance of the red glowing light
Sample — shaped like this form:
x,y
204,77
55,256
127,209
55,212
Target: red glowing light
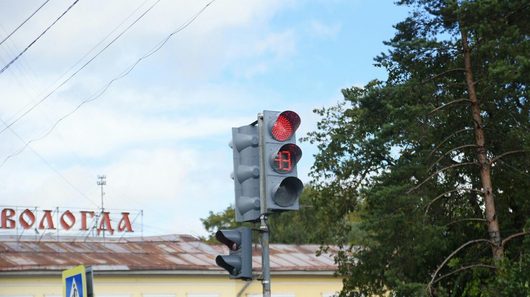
x,y
285,125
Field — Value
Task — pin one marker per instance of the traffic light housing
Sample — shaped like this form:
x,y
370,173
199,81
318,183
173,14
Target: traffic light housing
x,y
245,147
239,262
280,157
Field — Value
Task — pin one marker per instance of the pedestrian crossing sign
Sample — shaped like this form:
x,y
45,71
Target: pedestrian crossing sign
x,y
75,282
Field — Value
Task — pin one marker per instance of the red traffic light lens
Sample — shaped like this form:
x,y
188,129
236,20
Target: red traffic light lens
x,y
285,125
284,161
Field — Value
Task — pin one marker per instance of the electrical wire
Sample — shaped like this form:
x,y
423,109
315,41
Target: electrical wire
x,y
51,167
38,37
99,93
100,42
16,29
78,70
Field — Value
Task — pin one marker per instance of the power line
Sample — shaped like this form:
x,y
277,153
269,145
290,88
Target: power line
x,y
16,29
38,37
49,166
99,93
85,55
100,42
78,70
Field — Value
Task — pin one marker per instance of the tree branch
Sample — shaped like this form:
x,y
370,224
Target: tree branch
x,y
464,268
449,151
514,236
442,74
507,153
429,285
468,219
445,193
447,104
447,138
439,171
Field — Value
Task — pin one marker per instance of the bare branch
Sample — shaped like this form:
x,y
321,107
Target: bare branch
x,y
464,268
442,74
439,171
448,103
447,138
429,285
465,220
445,193
508,153
449,151
514,236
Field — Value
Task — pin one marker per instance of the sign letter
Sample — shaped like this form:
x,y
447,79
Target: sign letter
x,y
125,223
104,224
83,219
24,217
71,218
7,221
49,220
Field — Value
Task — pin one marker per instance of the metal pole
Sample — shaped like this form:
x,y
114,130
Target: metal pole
x,y
264,228
266,272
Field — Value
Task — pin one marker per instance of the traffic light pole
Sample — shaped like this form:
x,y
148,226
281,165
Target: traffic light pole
x,y
264,228
266,281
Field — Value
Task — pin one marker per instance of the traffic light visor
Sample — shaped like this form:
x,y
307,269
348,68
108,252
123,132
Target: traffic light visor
x,y
232,264
285,125
228,238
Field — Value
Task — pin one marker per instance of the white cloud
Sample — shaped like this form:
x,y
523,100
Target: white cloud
x,y
155,134
323,30
161,133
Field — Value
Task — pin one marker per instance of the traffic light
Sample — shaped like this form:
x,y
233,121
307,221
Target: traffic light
x,y
239,262
281,154
244,144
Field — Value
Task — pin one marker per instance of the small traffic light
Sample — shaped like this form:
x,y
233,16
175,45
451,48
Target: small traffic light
x,y
239,262
281,154
244,144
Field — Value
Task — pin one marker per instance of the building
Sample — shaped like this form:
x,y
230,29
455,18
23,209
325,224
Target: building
x,y
161,266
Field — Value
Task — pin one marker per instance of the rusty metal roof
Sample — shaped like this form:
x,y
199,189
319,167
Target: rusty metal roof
x,y
156,253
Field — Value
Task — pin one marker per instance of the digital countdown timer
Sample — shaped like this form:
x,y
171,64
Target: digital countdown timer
x,y
284,161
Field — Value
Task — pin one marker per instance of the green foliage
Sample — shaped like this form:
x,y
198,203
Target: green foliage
x,y
294,227
225,219
400,156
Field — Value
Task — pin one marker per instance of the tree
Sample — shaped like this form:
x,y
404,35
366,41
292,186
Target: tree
x,y
436,158
295,227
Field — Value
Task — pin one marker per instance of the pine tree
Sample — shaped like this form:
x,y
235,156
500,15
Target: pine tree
x,y
436,158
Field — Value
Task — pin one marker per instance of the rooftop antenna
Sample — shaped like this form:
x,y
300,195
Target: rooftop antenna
x,y
102,181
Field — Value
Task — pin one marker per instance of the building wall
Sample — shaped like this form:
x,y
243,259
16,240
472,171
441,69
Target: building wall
x,y
172,286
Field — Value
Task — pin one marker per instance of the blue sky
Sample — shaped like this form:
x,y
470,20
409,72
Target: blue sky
x,y
161,133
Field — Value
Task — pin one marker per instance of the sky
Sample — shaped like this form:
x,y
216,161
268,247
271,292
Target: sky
x,y
101,94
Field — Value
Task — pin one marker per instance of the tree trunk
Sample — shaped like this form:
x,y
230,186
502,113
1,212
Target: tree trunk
x,y
484,162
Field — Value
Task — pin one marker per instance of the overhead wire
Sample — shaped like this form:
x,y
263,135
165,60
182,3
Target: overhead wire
x,y
78,70
51,167
38,37
100,42
100,92
81,59
22,72
27,19
26,144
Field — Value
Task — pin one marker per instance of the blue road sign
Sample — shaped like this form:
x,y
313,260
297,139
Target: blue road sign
x,y
74,282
